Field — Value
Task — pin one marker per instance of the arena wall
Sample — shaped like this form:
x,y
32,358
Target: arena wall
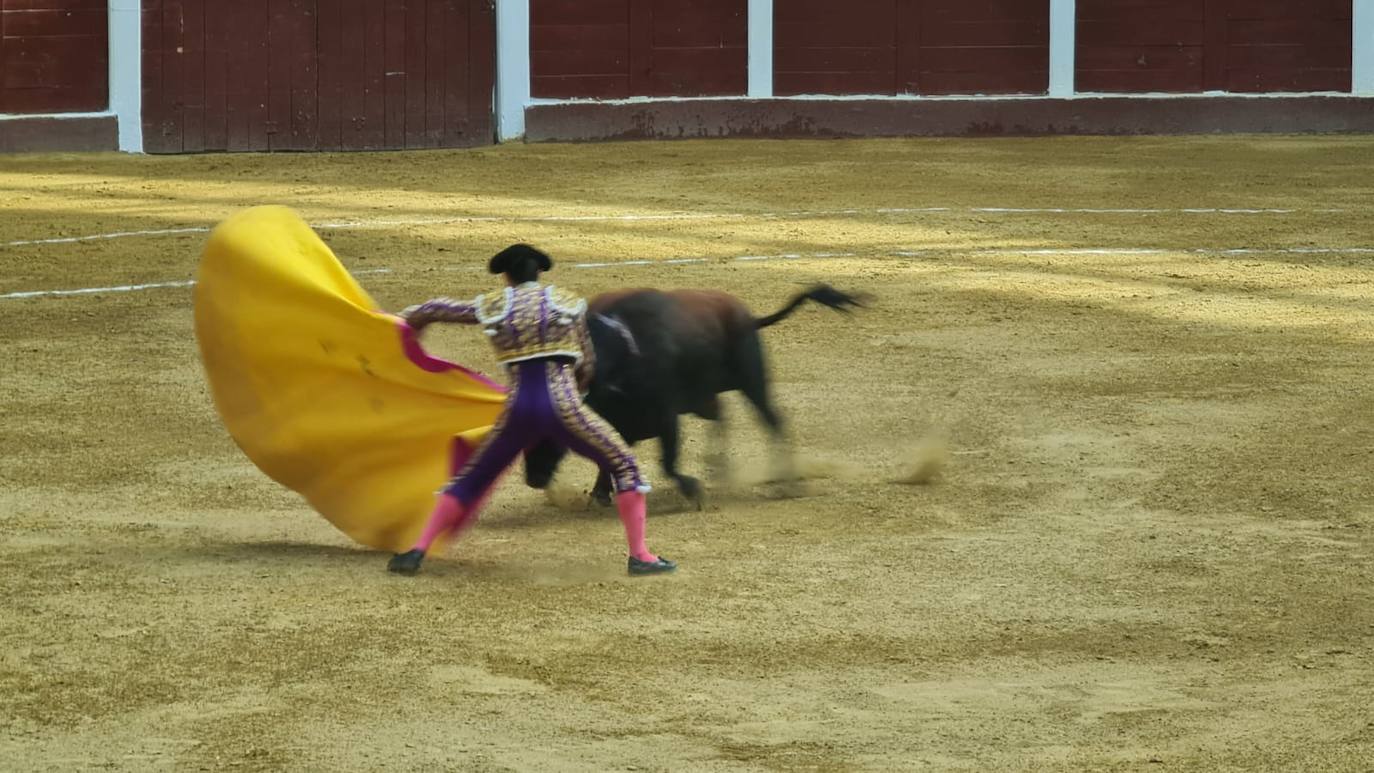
x,y
913,67
173,76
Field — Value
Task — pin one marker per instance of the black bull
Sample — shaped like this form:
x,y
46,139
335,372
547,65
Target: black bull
x,y
662,354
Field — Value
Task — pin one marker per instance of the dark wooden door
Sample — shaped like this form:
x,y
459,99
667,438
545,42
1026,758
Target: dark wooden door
x,y
273,75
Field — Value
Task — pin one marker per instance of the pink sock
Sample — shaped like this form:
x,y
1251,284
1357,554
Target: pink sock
x,y
449,518
632,507
448,515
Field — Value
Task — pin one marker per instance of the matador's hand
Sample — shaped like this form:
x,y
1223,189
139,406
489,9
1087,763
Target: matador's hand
x,y
413,319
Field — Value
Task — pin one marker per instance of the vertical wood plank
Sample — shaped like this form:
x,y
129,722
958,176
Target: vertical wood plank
x,y
304,83
2,59
641,42
906,39
193,89
173,77
458,31
436,45
415,60
153,107
238,94
1214,47
235,110
374,116
481,72
353,74
216,76
278,92
329,68
258,73
395,74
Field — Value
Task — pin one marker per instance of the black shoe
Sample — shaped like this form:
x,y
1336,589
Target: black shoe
x,y
661,566
407,562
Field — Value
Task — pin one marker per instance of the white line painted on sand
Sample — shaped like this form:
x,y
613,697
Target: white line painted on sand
x,y
1034,251
94,290
689,216
114,235
879,255
134,288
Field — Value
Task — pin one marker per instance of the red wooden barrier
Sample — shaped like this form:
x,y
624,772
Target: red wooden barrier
x,y
317,74
54,56
1213,45
621,48
911,47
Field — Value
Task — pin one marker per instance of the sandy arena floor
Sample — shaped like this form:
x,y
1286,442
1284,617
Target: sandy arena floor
x,y
1152,547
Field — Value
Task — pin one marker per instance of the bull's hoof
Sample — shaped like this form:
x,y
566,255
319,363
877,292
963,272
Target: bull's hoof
x,y
407,563
602,498
691,488
661,566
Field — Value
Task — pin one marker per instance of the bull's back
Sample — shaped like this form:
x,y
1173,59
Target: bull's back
x,y
684,309
606,303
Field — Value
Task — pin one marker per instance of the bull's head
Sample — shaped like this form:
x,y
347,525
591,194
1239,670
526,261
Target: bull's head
x,y
615,348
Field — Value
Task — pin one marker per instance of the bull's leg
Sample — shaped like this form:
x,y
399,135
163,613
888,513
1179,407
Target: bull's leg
x,y
754,384
668,442
601,491
541,462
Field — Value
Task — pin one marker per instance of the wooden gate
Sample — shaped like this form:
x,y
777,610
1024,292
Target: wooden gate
x,y
317,74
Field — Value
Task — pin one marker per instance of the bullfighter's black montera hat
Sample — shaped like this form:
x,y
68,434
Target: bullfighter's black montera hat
x,y
514,254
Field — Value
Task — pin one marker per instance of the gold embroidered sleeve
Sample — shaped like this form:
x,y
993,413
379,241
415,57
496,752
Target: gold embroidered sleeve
x,y
441,310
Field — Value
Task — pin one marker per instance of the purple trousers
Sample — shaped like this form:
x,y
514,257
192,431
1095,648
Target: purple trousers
x,y
544,403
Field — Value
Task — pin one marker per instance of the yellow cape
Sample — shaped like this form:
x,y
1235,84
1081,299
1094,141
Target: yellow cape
x,y
324,393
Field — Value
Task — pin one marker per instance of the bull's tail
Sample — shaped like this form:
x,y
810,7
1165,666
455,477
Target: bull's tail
x,y
823,294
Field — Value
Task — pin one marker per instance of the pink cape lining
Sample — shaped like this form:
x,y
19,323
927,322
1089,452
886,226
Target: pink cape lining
x,y
410,344
461,450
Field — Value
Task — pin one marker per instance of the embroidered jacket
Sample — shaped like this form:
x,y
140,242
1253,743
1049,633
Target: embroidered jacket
x,y
525,322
